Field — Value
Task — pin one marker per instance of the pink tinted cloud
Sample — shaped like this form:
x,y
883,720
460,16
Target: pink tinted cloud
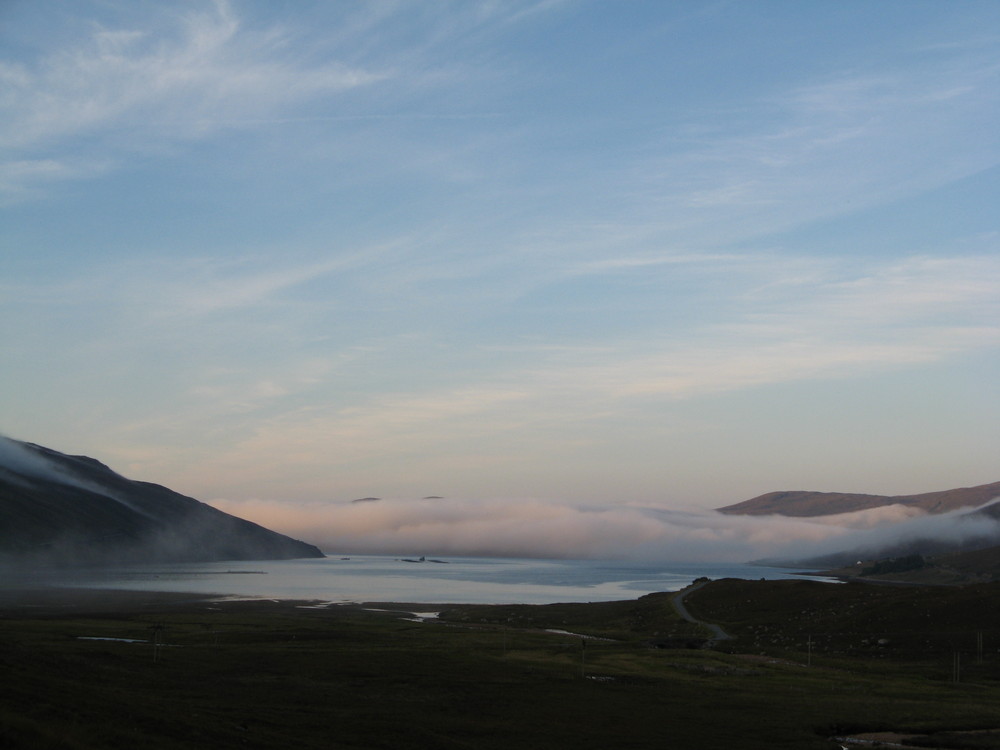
x,y
552,529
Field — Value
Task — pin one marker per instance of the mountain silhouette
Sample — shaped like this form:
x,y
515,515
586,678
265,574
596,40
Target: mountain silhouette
x,y
58,509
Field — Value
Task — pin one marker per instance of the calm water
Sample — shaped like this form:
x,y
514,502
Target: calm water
x,y
459,580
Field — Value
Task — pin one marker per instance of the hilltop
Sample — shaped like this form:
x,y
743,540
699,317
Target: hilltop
x,y
803,503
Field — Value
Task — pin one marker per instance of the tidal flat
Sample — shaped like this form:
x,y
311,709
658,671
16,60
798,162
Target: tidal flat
x,y
809,665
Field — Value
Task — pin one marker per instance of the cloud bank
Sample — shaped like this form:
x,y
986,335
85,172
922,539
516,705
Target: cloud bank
x,y
551,529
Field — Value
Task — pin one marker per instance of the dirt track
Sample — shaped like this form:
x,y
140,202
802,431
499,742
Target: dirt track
x,y
718,634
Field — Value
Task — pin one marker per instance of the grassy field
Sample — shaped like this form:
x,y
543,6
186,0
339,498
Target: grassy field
x,y
276,675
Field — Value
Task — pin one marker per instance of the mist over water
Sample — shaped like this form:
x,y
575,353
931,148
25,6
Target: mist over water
x,y
552,529
642,537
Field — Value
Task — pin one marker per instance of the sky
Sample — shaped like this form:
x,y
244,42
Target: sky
x,y
568,256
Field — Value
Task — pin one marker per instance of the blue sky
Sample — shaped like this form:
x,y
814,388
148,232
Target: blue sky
x,y
584,253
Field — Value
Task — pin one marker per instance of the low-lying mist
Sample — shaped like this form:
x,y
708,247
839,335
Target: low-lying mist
x,y
552,529
510,527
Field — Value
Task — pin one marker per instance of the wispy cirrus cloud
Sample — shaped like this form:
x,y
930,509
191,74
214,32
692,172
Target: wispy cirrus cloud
x,y
829,323
401,239
150,81
833,147
203,69
203,286
26,179
549,404
187,74
820,321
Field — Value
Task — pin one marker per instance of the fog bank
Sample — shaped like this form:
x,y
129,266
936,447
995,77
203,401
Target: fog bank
x,y
515,527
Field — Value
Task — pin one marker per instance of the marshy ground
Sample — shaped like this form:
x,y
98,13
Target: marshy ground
x,y
809,662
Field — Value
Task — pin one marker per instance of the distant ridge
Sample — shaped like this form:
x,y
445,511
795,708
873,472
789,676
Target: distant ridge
x,y
57,509
801,503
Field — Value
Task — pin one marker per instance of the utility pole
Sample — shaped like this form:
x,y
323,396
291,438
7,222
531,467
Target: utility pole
x,y
157,630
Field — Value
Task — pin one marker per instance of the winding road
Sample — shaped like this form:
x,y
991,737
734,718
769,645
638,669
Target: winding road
x,y
718,634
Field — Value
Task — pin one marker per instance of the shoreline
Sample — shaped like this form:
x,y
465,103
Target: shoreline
x,y
30,602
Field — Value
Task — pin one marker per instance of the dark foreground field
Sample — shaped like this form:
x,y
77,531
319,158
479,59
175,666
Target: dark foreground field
x,y
809,662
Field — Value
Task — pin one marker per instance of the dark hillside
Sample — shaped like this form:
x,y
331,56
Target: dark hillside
x,y
953,568
57,509
855,619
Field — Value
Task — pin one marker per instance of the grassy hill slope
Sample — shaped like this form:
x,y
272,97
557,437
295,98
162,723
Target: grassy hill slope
x,y
804,503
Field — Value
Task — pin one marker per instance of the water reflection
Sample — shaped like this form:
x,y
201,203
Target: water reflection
x,y
455,580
